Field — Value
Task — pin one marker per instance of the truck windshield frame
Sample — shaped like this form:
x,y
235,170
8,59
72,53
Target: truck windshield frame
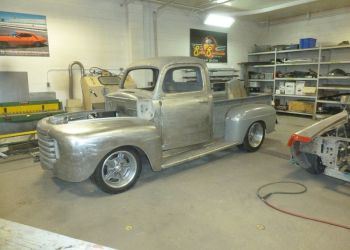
x,y
129,82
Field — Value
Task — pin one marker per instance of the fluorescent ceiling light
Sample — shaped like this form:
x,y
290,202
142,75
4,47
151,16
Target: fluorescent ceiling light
x,y
219,20
220,1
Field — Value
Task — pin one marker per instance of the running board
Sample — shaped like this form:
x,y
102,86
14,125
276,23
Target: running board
x,y
197,153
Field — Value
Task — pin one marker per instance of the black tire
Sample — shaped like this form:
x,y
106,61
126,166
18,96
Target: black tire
x,y
247,145
316,166
37,44
102,170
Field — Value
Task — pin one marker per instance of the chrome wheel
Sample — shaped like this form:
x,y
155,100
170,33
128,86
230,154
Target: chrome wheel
x,y
119,169
256,134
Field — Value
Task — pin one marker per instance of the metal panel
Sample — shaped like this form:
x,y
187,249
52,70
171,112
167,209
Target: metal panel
x,y
42,96
14,87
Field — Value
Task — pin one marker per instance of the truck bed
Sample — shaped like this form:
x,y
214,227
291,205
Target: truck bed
x,y
221,106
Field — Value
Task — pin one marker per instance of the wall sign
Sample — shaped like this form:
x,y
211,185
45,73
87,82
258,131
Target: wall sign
x,y
208,45
23,35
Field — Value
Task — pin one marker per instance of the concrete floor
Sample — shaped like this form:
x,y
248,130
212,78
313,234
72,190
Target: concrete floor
x,y
206,204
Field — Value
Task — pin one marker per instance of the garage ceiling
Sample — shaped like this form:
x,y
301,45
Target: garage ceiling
x,y
258,10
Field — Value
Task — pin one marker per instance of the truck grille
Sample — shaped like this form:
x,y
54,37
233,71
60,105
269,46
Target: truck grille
x,y
48,149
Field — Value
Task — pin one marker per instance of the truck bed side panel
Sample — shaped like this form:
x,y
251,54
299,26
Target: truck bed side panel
x,y
221,108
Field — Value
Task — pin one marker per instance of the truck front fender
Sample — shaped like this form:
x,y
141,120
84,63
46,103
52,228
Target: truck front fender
x,y
82,150
238,120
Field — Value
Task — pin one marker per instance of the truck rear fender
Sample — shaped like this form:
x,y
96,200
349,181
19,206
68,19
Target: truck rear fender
x,y
238,120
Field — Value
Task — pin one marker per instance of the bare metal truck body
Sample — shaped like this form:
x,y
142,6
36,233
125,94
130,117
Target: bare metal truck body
x,y
324,147
167,118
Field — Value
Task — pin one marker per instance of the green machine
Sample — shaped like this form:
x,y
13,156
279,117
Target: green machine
x,y
18,117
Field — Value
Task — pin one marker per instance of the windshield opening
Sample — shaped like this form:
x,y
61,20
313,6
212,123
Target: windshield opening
x,y
142,78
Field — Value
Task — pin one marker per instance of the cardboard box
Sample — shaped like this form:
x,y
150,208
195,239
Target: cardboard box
x,y
280,88
289,88
309,90
299,106
269,76
299,87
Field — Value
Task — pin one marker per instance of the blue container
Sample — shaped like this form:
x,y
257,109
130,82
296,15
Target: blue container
x,y
306,43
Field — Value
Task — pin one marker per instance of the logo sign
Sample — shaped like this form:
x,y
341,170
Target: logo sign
x,y
208,45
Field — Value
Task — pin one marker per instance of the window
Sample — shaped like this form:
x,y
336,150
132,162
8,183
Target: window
x,y
24,35
144,78
184,79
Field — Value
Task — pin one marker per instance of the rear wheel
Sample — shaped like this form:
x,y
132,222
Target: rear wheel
x,y
118,171
254,137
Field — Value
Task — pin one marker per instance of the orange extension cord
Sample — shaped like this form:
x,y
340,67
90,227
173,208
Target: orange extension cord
x,y
265,197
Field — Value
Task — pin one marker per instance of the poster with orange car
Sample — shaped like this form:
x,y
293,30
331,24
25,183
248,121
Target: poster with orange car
x,y
208,45
23,34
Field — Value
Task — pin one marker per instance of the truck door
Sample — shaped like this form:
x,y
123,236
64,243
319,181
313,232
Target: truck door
x,y
185,107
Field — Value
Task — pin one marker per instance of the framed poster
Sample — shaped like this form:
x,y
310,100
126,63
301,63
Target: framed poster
x,y
23,35
208,45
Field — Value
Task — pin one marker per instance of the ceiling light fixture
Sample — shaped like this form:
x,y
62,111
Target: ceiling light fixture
x,y
219,20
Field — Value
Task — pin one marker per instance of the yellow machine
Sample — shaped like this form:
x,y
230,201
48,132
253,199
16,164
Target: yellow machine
x,y
96,86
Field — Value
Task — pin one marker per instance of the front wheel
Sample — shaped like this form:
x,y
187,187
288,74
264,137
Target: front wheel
x,y
254,137
118,171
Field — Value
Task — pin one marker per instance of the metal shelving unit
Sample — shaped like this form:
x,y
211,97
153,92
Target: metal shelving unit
x,y
322,61
295,113
297,96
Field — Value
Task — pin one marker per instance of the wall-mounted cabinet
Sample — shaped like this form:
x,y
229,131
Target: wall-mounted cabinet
x,y
302,81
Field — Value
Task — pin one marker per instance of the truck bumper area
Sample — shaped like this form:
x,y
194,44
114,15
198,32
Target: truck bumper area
x,y
63,159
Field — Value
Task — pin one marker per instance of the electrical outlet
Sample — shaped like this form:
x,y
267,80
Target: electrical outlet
x,y
48,84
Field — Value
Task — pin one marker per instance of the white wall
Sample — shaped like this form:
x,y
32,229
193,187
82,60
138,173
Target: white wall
x,y
174,35
93,32
328,28
105,34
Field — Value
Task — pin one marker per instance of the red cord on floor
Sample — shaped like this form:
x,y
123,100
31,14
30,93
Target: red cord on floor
x,y
264,199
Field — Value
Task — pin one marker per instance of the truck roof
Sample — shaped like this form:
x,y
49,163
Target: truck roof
x,y
160,62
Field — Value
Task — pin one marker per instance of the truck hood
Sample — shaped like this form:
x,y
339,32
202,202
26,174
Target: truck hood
x,y
90,126
131,94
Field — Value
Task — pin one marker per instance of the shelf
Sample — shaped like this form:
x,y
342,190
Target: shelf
x,y
296,96
296,79
293,112
335,88
263,66
296,50
261,80
335,62
335,77
261,53
296,64
329,102
314,58
299,50
335,47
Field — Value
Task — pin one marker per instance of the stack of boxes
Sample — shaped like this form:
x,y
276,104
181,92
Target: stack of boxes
x,y
297,88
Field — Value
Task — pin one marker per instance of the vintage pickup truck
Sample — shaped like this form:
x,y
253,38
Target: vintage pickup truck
x,y
168,117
